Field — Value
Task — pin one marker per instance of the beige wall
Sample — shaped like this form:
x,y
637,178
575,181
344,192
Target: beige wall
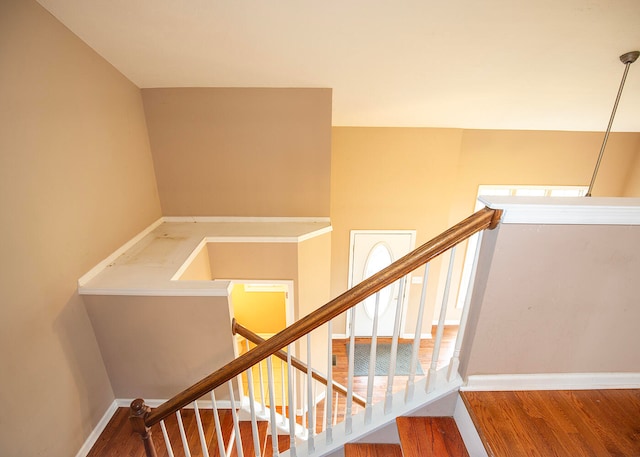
x,y
632,186
427,180
76,182
557,299
241,152
183,350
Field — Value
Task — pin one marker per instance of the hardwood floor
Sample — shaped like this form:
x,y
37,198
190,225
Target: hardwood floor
x,y
575,423
117,438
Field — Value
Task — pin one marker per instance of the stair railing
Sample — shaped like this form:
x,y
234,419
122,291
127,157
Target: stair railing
x,y
143,417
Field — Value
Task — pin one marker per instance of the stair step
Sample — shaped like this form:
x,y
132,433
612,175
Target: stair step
x,y
430,436
283,445
372,450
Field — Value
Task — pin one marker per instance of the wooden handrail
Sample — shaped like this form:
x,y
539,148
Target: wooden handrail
x,y
295,362
482,219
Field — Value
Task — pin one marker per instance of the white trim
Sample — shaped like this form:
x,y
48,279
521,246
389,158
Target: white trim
x,y
187,263
88,276
268,239
552,381
566,210
204,404
468,430
203,292
98,429
245,219
339,336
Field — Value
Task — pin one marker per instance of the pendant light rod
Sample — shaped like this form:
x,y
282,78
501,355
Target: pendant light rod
x,y
627,59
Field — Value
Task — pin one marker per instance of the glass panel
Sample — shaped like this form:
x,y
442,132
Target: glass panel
x,y
379,257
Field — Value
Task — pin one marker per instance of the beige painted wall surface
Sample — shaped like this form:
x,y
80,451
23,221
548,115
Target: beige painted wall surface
x,y
154,347
253,260
241,151
390,178
632,186
427,180
558,299
199,269
76,182
540,158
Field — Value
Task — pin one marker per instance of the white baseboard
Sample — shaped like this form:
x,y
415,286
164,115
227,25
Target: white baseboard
x,y
98,429
407,336
553,381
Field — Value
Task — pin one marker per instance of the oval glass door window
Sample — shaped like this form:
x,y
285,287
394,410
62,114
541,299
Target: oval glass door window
x,y
379,257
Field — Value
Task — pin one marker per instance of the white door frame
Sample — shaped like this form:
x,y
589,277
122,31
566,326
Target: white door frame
x,y
403,299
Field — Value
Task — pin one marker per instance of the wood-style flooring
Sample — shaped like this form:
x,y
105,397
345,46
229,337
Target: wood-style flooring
x,y
575,423
117,438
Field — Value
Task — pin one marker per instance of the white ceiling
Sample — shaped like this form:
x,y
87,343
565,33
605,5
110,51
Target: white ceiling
x,y
496,64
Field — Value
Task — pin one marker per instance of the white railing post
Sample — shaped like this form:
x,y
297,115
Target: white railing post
x,y
350,359
394,348
216,419
272,408
431,376
263,400
368,409
455,360
252,408
183,436
417,338
311,402
167,442
203,440
329,388
283,396
236,423
292,404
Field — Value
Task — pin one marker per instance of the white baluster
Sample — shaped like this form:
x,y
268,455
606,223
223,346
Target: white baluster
x,y
302,391
203,440
263,400
314,406
183,436
282,394
431,377
236,424
329,392
394,348
167,442
368,410
417,338
252,408
311,420
272,407
455,360
335,410
216,419
292,404
352,340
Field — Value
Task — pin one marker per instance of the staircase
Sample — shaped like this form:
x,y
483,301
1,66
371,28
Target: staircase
x,y
419,437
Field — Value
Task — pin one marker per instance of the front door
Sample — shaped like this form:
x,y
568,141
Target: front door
x,y
371,251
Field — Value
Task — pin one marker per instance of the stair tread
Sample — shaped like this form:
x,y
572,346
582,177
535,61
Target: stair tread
x,y
430,436
372,450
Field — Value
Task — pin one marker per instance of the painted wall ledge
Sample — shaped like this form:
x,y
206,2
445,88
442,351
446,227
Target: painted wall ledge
x,y
566,210
146,264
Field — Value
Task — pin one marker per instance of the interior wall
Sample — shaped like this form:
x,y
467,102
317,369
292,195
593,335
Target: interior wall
x,y
632,185
427,179
557,299
261,312
76,182
241,151
184,350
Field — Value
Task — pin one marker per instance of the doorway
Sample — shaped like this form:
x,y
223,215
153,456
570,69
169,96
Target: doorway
x,y
370,252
